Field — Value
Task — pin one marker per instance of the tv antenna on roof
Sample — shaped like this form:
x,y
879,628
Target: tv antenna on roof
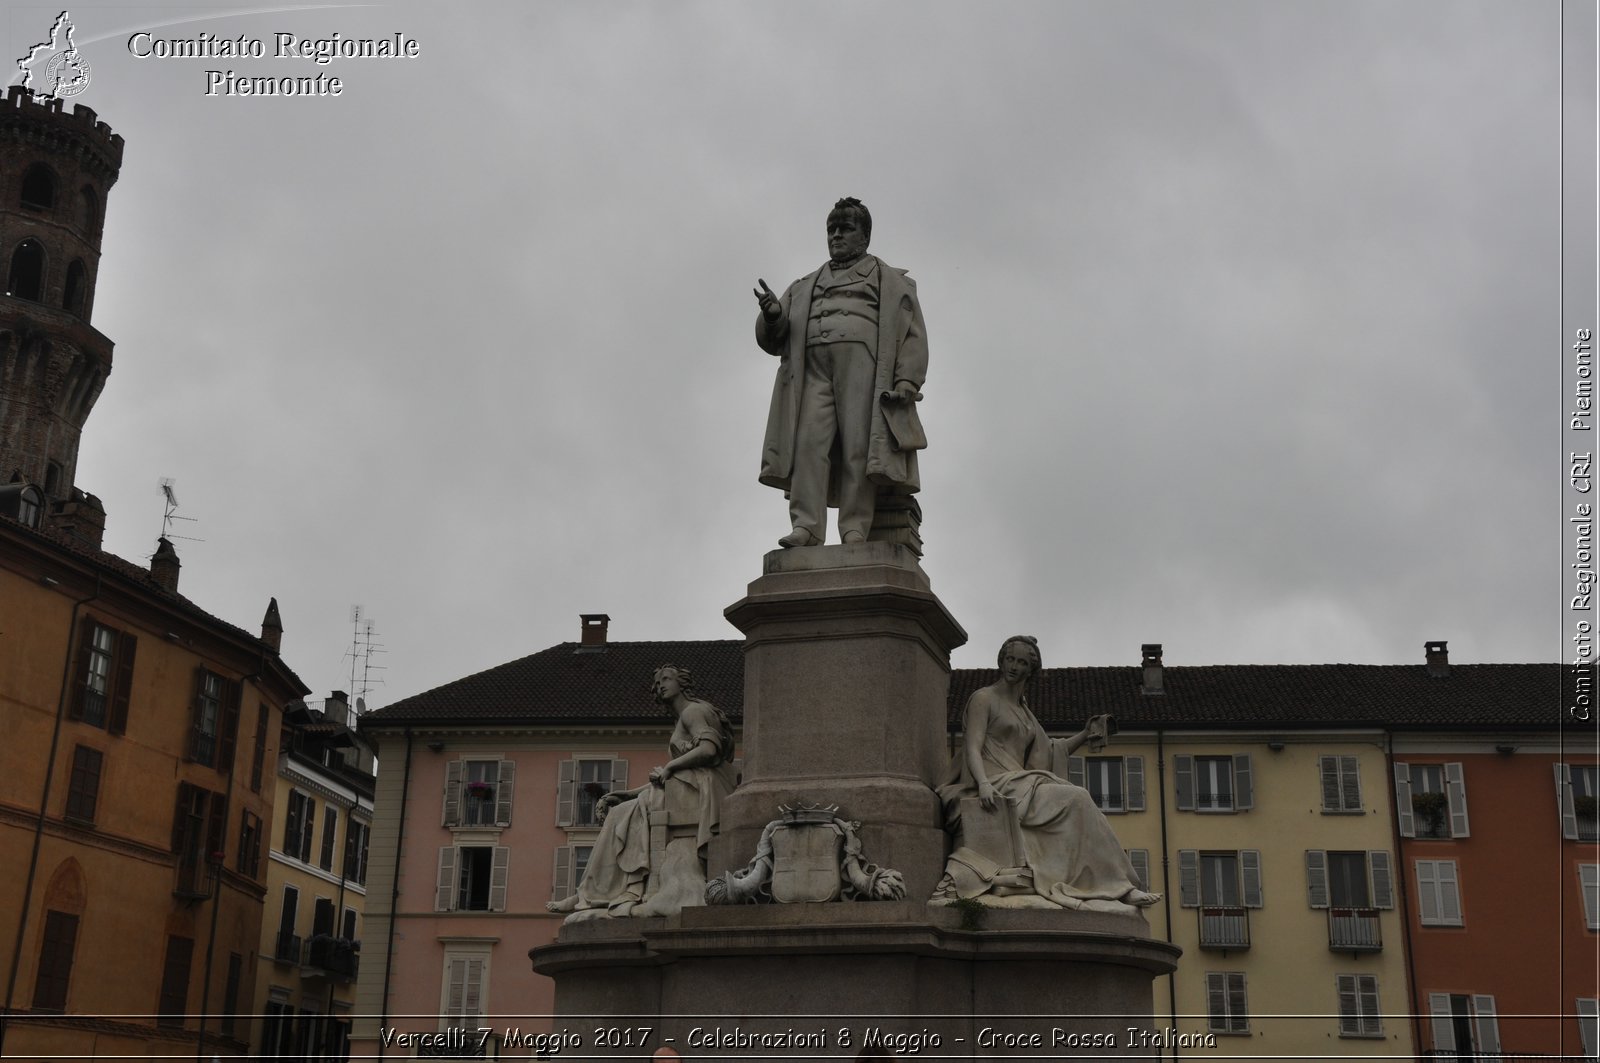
x,y
362,647
170,513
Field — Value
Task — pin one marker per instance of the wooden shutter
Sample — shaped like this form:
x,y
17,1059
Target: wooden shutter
x,y
472,1002
1250,871
452,794
1589,1024
231,691
1217,999
1455,788
1316,878
456,995
1134,766
122,684
1589,879
1449,893
566,793
216,825
1488,1026
1183,781
1350,784
1367,992
1075,770
1238,1008
180,817
1329,767
1244,795
1188,878
503,791
1564,802
1349,1006
1428,892
498,876
1402,801
561,880
194,715
1444,1029
444,899
1140,859
1382,878
619,774
291,825
80,685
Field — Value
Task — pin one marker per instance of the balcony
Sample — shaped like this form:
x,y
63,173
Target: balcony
x,y
1224,928
1354,930
337,957
288,948
194,880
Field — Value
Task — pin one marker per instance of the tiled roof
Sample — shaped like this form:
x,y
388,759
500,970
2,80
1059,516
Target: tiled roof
x,y
565,684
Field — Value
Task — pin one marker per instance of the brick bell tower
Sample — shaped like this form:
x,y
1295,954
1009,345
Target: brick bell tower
x,y
56,168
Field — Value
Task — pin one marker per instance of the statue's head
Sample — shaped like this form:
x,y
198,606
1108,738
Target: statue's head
x,y
669,681
1025,647
849,230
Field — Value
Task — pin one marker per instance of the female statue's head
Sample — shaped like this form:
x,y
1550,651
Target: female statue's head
x,y
669,681
1024,646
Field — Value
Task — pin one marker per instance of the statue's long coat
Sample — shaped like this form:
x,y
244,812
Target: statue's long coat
x,y
902,355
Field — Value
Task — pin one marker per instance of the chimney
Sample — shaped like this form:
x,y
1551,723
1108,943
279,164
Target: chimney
x,y
82,517
1438,659
593,633
337,708
164,565
1154,682
272,627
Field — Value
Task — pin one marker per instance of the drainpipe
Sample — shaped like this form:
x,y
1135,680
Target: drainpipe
x,y
44,804
1405,903
394,897
1166,876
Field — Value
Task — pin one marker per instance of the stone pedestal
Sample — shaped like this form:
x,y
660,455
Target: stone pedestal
x,y
846,676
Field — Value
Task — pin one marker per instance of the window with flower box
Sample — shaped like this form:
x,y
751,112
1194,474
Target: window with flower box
x,y
478,792
581,783
1431,800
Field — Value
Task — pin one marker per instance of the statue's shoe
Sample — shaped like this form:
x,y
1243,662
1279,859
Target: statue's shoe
x,y
853,536
798,537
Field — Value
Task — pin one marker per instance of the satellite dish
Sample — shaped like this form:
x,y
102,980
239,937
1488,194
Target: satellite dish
x,y
361,706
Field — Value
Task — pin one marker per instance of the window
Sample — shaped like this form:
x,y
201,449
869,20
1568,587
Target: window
x,y
55,961
39,187
472,878
1223,885
322,918
582,781
1438,893
1341,784
330,823
1589,882
1464,1025
197,838
72,293
249,859
1589,1025
464,986
1349,879
477,793
1431,800
214,720
297,826
104,676
258,756
26,278
83,790
1226,1010
1115,783
356,836
1358,1006
287,947
230,992
30,503
1576,793
174,1000
277,1028
348,931
570,864
1213,784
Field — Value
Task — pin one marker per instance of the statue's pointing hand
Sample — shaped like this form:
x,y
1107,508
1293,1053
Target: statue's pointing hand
x,y
770,307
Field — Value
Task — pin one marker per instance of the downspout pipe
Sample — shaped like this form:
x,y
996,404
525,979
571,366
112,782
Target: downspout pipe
x,y
394,896
1405,903
1166,876
216,884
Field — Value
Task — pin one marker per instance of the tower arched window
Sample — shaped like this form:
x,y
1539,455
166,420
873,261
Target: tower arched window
x,y
88,211
72,296
39,187
25,280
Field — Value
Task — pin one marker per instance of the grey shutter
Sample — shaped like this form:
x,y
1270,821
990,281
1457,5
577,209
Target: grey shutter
x,y
1488,1026
619,774
503,793
1449,893
1189,878
458,989
1382,878
561,881
1350,784
1244,795
445,897
452,794
1316,878
1134,766
1217,999
1140,859
1589,1024
1238,1008
1455,788
1183,780
498,875
1329,767
1589,879
1349,1005
566,794
472,1001
1429,893
1075,770
1250,870
1371,1019
1564,802
1444,1029
1402,801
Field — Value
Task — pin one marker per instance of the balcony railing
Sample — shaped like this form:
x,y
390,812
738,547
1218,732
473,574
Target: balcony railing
x,y
194,880
1354,930
1224,928
288,949
336,956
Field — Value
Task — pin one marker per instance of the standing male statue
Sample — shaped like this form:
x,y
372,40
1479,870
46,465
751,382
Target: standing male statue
x,y
843,424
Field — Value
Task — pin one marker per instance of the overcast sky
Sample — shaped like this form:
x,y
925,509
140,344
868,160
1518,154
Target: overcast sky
x,y
1243,317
